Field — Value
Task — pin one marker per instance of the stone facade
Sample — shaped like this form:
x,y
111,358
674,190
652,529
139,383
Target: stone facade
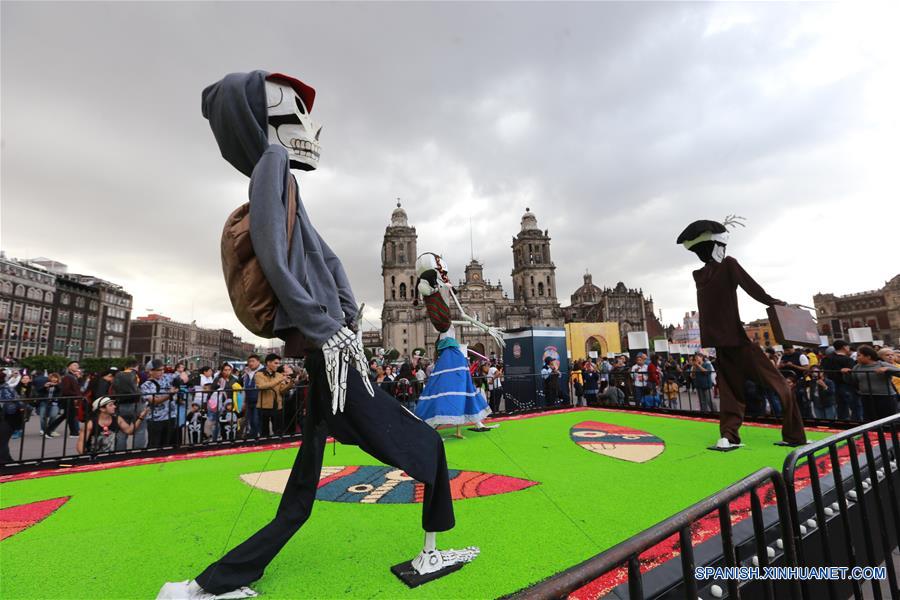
x,y
158,336
46,310
406,327
878,309
626,306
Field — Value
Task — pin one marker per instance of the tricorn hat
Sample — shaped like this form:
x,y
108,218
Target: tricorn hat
x,y
707,231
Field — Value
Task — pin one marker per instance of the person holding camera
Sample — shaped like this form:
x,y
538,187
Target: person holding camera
x,y
701,374
100,431
821,393
271,382
161,423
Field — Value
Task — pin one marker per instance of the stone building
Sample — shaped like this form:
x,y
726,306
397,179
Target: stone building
x,y
46,310
27,297
625,306
878,309
405,327
158,336
760,332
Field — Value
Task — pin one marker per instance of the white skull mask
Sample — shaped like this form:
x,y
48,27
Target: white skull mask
x,y
718,253
291,126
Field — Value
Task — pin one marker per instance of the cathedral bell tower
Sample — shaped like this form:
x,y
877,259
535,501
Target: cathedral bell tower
x,y
400,327
533,275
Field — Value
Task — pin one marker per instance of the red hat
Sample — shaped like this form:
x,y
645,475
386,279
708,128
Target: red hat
x,y
306,93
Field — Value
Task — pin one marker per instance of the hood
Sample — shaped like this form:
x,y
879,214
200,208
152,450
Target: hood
x,y
236,110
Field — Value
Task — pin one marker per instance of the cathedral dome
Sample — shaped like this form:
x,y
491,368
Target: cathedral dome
x,y
529,221
398,217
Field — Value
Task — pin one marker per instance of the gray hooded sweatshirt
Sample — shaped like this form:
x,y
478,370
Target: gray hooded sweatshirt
x,y
313,291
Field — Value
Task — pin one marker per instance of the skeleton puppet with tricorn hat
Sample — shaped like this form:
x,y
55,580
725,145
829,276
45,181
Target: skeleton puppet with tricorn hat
x,y
263,127
738,359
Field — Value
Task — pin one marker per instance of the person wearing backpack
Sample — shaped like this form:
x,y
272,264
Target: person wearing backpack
x,y
11,409
261,122
126,392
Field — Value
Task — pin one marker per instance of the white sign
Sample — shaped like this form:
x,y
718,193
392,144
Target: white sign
x,y
592,354
858,335
778,348
660,345
610,355
823,340
878,343
638,340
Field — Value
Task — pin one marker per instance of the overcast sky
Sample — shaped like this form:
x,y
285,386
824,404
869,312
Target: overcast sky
x,y
617,124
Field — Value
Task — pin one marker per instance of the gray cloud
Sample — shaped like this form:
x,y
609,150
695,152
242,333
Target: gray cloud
x,y
616,123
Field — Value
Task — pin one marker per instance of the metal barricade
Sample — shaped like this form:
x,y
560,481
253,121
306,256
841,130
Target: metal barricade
x,y
856,492
627,553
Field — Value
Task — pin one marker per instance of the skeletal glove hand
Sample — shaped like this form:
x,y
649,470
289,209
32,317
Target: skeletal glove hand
x,y
343,350
494,332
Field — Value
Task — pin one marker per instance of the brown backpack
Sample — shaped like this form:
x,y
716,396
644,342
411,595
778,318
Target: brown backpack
x,y
251,295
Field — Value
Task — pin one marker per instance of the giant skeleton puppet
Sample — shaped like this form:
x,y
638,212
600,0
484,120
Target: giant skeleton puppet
x,y
263,128
738,359
450,396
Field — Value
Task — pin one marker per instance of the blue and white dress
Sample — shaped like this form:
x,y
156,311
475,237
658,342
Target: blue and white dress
x,y
450,396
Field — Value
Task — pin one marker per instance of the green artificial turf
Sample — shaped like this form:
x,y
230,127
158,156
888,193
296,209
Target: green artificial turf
x,y
125,531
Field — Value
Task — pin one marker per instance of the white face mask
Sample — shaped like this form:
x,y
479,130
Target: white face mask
x,y
718,253
291,126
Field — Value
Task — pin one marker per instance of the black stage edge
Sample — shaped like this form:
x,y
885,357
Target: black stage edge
x,y
405,573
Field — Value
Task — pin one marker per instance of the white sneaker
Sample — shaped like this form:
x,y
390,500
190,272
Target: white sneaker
x,y
435,560
191,590
724,443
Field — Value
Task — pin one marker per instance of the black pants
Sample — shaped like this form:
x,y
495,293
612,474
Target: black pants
x,y
70,415
381,427
496,397
271,416
159,433
877,407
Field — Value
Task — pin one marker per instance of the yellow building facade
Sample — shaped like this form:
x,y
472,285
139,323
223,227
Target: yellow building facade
x,y
582,338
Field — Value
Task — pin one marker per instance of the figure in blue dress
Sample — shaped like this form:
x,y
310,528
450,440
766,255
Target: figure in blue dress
x,y
450,396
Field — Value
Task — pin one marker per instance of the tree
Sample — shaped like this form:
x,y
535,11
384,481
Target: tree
x,y
44,363
98,365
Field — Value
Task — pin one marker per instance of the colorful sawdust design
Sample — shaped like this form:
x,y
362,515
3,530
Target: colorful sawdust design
x,y
617,441
18,518
387,485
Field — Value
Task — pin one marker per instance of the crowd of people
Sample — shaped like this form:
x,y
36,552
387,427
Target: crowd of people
x,y
156,405
838,382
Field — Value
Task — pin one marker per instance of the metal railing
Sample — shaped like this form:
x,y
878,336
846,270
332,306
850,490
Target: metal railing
x,y
857,485
38,446
521,393
627,553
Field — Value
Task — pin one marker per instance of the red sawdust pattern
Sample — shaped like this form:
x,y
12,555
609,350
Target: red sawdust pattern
x,y
342,473
610,428
16,518
708,527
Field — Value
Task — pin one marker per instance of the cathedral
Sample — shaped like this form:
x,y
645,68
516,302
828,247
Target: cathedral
x,y
406,327
626,306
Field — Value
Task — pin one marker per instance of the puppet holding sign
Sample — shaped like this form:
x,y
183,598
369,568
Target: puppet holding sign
x,y
738,359
263,127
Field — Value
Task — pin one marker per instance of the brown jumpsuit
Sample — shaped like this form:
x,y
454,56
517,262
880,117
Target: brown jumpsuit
x,y
739,359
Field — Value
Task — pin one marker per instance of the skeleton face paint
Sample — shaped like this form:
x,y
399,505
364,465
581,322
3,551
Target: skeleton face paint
x,y
718,253
291,126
